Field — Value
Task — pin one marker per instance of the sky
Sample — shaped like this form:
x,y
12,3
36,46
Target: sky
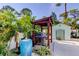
x,y
41,9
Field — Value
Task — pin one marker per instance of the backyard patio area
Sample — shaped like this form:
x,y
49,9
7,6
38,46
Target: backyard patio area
x,y
29,31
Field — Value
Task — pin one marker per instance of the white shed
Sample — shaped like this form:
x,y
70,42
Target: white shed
x,y
61,32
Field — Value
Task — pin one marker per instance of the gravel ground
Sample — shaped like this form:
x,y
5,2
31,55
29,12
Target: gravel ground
x,y
34,54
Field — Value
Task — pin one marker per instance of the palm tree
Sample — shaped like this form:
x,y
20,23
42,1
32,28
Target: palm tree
x,y
54,18
65,8
74,13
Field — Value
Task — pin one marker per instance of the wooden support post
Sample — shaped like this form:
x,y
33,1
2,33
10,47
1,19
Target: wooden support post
x,y
33,34
41,28
16,39
51,31
48,34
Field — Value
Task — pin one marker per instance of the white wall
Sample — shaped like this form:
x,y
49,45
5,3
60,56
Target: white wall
x,y
64,27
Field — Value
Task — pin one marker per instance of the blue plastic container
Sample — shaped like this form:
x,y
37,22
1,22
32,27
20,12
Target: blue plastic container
x,y
26,47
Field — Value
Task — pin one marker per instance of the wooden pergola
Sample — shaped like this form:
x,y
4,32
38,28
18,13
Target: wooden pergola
x,y
47,21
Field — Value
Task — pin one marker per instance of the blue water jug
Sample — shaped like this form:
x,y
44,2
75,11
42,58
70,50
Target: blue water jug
x,y
26,47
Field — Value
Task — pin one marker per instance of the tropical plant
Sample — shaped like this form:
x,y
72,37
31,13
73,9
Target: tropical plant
x,y
43,51
6,18
54,18
63,15
37,29
5,52
7,28
10,25
24,25
67,21
65,8
74,13
75,24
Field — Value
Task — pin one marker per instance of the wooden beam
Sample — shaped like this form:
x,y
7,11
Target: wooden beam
x,y
48,34
41,28
51,29
51,33
43,19
33,34
42,22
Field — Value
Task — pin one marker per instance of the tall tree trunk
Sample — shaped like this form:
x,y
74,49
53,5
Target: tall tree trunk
x,y
16,40
65,5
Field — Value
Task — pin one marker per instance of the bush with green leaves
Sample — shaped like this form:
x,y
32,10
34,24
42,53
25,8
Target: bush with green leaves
x,y
2,47
4,50
24,25
10,24
43,51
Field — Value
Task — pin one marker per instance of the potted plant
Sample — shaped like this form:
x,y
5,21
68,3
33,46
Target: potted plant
x,y
25,26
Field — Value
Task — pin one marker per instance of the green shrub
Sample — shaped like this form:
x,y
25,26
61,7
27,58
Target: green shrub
x,y
4,50
43,51
2,47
